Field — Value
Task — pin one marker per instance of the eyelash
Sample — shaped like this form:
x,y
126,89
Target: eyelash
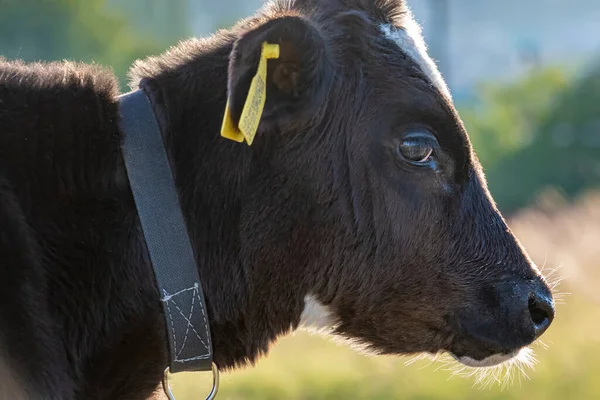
x,y
418,141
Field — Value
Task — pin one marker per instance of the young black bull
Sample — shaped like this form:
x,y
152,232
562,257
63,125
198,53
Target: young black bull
x,y
360,207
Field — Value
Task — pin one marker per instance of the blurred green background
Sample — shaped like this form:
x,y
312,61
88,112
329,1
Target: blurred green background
x,y
526,80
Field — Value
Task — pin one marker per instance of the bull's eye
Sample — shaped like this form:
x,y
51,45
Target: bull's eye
x,y
417,148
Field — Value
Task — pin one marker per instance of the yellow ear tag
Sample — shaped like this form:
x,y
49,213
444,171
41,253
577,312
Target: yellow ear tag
x,y
228,130
255,102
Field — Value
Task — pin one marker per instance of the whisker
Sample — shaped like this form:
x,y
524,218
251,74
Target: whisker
x,y
502,375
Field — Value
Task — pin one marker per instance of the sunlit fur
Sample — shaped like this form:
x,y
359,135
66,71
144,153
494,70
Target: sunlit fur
x,y
510,372
318,319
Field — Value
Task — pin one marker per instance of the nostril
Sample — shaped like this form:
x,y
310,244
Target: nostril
x,y
542,313
538,316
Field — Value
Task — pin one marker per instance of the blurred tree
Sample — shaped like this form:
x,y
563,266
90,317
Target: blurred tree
x,y
506,117
563,153
77,30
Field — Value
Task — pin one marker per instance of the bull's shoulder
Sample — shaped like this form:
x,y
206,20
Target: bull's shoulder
x,y
17,77
58,123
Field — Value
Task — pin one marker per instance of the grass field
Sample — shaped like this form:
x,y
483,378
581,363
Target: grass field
x,y
307,367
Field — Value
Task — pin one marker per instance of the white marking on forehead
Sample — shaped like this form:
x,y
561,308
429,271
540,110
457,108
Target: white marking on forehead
x,y
410,40
316,316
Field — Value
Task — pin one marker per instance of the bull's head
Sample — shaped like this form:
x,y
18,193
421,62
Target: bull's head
x,y
360,207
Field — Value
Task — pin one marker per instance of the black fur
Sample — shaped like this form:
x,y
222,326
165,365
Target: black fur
x,y
320,204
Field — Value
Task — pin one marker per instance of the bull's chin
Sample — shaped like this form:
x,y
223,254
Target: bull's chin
x,y
489,361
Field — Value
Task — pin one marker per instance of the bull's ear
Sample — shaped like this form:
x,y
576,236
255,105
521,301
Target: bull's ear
x,y
279,78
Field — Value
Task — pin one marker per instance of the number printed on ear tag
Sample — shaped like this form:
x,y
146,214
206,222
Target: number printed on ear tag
x,y
257,95
255,102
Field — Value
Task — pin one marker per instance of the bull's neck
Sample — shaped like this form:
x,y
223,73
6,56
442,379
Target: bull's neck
x,y
211,175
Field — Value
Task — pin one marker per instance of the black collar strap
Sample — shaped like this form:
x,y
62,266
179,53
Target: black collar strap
x,y
166,235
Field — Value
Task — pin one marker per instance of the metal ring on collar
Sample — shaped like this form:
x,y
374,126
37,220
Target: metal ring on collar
x,y
211,395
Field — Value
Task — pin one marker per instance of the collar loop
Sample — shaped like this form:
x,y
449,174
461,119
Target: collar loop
x,y
164,229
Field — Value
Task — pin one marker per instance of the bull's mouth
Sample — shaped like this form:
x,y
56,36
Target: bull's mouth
x,y
480,353
489,361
